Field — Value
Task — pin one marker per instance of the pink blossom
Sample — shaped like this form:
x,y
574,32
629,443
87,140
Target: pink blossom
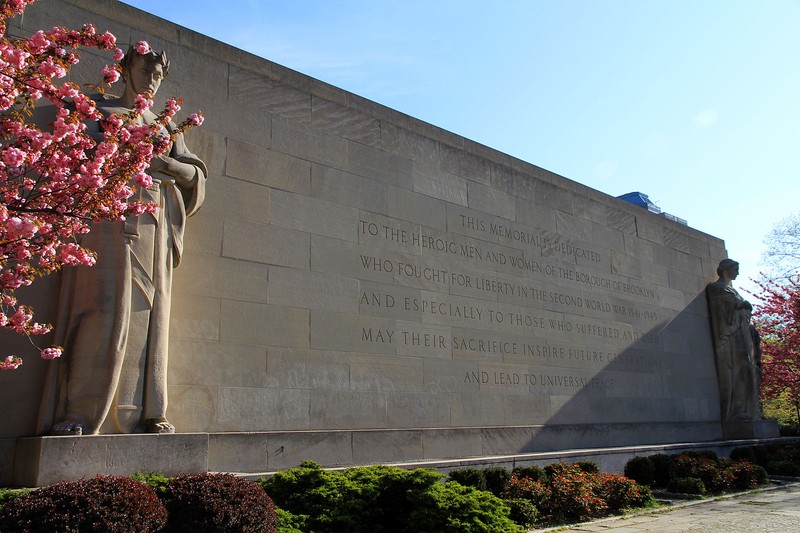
x,y
21,227
21,317
195,119
142,47
107,40
13,157
142,104
51,69
118,54
143,179
39,42
51,353
110,73
11,362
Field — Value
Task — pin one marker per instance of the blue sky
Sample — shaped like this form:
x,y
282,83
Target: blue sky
x,y
695,103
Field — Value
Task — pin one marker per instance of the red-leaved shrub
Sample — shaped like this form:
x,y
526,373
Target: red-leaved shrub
x,y
103,504
620,492
218,503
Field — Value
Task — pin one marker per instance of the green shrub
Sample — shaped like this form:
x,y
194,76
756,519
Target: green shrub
x,y
523,512
714,476
454,508
155,480
589,467
700,454
469,477
783,467
687,485
218,503
100,504
641,469
620,492
10,494
534,472
497,478
384,499
290,523
663,469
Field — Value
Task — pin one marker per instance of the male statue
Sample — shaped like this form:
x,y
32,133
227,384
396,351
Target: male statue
x,y
734,345
113,317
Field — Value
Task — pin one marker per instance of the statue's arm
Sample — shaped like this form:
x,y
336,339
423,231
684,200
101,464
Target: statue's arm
x,y
185,174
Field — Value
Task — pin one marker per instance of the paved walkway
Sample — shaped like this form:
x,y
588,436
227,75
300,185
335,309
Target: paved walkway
x,y
769,511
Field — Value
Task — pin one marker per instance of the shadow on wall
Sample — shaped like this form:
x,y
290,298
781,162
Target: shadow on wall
x,y
21,389
662,388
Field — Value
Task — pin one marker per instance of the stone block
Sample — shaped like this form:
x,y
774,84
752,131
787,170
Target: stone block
x,y
336,409
259,324
312,290
379,165
349,189
377,373
301,369
265,243
435,183
328,448
311,145
446,443
353,260
263,166
252,201
344,121
261,92
262,408
195,317
46,460
311,215
417,409
489,200
380,447
203,363
407,205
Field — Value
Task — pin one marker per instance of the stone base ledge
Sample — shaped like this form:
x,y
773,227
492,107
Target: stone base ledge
x,y
39,461
750,429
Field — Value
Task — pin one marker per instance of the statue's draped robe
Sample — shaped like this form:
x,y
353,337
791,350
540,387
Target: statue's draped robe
x,y
113,319
735,352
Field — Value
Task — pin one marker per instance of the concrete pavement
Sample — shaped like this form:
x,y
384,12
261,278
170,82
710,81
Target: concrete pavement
x,y
769,511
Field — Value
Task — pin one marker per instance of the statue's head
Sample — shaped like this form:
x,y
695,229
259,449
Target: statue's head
x,y
143,73
728,266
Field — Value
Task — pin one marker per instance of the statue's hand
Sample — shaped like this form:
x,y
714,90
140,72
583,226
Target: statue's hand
x,y
160,163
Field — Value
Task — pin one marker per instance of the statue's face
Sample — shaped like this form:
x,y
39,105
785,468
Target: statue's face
x,y
144,76
733,271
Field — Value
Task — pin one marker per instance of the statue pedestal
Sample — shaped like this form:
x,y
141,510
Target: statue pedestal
x,y
43,461
750,429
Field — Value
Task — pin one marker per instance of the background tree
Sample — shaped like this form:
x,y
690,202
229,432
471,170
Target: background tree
x,y
777,318
56,179
782,253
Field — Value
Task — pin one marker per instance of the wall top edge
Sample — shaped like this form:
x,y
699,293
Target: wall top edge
x,y
138,19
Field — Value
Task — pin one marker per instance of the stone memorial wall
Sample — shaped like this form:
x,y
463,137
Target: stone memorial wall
x,y
361,280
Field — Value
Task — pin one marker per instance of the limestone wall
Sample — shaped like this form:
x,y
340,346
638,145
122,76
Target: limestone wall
x,y
354,268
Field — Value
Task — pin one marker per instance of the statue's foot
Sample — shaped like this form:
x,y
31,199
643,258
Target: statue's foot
x,y
67,428
159,425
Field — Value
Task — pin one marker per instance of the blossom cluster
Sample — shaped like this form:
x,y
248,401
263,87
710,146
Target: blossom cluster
x,y
55,182
777,317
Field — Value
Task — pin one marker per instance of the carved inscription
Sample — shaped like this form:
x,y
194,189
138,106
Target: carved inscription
x,y
521,295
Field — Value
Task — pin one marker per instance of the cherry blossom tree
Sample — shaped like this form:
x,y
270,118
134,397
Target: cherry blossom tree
x,y
777,318
56,179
